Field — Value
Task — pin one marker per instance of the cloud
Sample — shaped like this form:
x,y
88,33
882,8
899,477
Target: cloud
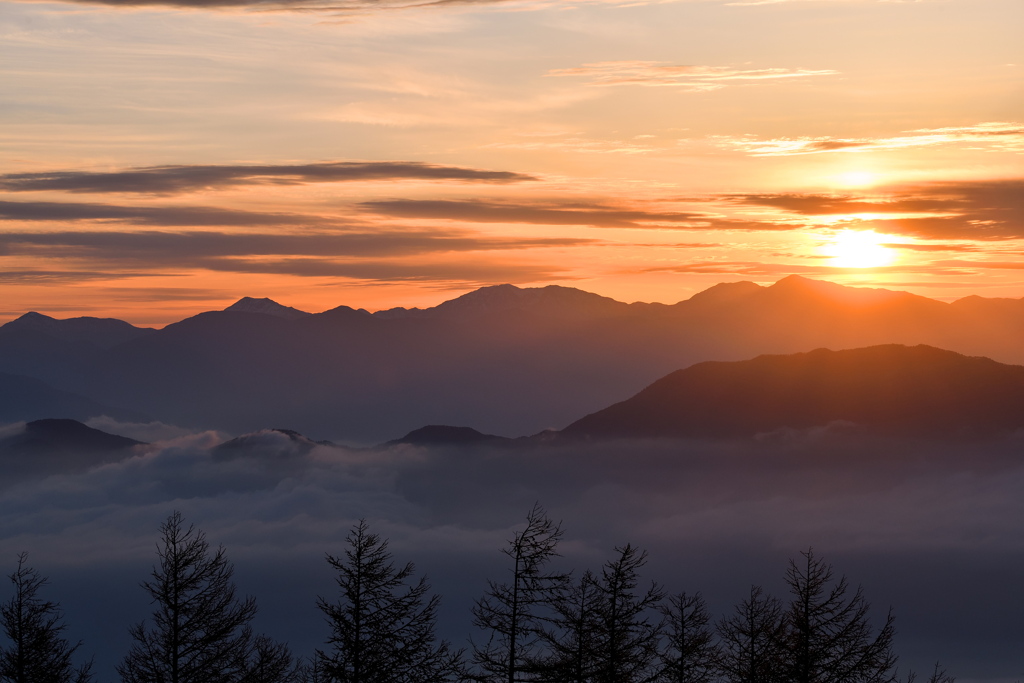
x,y
935,529
988,210
144,215
1005,136
165,180
540,213
375,256
690,78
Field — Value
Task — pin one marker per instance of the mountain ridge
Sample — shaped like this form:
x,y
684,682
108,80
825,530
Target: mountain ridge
x,y
507,360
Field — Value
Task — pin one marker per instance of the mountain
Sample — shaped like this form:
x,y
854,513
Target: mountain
x,y
550,301
55,446
26,398
248,304
890,389
278,443
505,359
445,435
104,333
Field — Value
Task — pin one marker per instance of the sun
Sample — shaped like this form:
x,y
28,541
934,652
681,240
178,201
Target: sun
x,y
858,179
859,249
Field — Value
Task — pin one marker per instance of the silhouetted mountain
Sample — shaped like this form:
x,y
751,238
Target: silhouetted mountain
x,y
277,442
553,300
102,332
53,446
890,389
444,435
266,307
25,398
504,359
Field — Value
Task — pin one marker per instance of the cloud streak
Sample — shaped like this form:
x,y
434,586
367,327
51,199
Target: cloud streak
x,y
540,213
989,210
164,180
686,77
380,255
993,135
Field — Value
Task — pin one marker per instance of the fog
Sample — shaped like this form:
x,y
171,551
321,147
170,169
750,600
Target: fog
x,y
932,529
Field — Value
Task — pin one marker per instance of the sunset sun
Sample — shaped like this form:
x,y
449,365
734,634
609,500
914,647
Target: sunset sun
x,y
859,249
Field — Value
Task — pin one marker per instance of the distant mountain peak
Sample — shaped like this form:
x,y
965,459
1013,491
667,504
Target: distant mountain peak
x,y
552,299
264,306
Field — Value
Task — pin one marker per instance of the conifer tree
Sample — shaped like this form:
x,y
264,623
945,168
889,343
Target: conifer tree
x,y
513,614
382,625
627,636
689,653
572,637
828,634
200,632
751,641
37,651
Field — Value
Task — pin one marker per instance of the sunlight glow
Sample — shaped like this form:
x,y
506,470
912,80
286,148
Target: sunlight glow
x,y
858,179
859,249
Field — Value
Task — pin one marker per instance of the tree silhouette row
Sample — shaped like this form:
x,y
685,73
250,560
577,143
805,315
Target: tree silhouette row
x,y
538,625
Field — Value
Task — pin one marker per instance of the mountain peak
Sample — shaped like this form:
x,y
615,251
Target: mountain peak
x,y
264,306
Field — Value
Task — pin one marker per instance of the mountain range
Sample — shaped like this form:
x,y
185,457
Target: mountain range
x,y
504,359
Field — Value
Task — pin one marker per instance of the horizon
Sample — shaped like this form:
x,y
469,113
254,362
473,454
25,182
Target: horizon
x,y
187,314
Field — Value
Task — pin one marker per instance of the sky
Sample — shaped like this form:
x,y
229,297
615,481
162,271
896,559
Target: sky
x,y
161,158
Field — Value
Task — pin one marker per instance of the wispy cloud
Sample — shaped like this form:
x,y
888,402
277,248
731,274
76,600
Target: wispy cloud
x,y
992,135
605,215
687,77
978,210
179,179
143,215
154,249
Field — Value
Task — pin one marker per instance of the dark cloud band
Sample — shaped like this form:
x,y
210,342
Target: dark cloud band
x,y
179,179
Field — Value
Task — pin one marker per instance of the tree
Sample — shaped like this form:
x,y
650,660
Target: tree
x,y
511,612
690,654
571,639
627,638
828,634
382,626
200,631
38,652
751,640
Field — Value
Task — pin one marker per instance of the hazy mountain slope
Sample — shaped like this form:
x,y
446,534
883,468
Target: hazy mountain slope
x,y
26,398
890,389
45,447
503,359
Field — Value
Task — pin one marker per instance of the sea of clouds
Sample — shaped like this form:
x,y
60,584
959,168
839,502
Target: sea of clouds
x,y
934,530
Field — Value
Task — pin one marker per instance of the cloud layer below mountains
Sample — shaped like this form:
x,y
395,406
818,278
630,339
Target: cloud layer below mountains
x,y
935,530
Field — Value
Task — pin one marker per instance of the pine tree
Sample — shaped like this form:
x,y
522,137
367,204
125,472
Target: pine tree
x,y
512,613
572,636
828,634
690,653
627,637
382,626
37,651
200,631
751,641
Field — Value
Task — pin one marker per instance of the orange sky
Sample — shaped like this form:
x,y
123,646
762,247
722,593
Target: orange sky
x,y
163,158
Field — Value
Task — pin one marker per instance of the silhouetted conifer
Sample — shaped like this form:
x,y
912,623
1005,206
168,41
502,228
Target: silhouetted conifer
x,y
37,651
382,626
627,637
571,639
513,613
689,652
200,631
828,634
751,641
